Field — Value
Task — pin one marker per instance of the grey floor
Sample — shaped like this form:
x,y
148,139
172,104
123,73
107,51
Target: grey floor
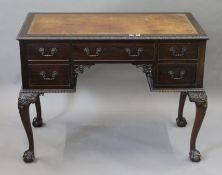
x,y
112,125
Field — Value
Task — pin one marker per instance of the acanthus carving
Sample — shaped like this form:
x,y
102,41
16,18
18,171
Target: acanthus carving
x,y
80,68
147,69
200,98
26,99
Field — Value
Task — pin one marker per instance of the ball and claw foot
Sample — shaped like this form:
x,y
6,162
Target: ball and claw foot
x,y
195,155
37,122
28,156
181,122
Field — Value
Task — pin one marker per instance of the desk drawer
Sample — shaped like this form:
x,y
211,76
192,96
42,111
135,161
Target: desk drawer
x,y
48,51
112,51
178,51
49,76
176,75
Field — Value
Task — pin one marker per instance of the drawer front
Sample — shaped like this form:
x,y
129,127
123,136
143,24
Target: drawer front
x,y
176,75
46,76
47,51
178,51
113,51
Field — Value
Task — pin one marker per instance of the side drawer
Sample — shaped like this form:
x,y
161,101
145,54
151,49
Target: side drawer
x,y
48,51
178,51
118,51
175,75
49,76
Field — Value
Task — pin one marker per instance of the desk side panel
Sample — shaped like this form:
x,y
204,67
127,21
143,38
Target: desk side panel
x,y
180,73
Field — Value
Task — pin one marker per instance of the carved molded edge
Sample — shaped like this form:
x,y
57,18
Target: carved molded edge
x,y
127,37
26,98
175,90
80,68
48,90
200,98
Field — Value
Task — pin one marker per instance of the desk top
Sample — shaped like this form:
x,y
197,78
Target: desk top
x,y
110,25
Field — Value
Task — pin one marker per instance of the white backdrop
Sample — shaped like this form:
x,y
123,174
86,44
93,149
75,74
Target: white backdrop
x,y
113,124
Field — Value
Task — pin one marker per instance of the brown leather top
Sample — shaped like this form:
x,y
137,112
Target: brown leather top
x,y
110,24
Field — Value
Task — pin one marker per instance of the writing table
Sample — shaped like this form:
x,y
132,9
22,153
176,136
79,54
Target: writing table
x,y
56,47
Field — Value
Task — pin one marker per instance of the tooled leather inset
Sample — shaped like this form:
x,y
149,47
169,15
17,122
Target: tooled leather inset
x,y
110,24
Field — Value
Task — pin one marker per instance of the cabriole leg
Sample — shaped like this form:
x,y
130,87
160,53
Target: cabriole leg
x,y
181,121
24,101
37,121
200,99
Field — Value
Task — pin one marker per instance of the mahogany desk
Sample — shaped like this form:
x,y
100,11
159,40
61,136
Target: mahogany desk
x,y
56,47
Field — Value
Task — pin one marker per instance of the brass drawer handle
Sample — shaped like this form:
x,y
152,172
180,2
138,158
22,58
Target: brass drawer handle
x,y
174,52
50,54
47,76
138,52
175,75
88,52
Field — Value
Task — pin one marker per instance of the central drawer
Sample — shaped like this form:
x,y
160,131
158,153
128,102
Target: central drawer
x,y
106,51
46,76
